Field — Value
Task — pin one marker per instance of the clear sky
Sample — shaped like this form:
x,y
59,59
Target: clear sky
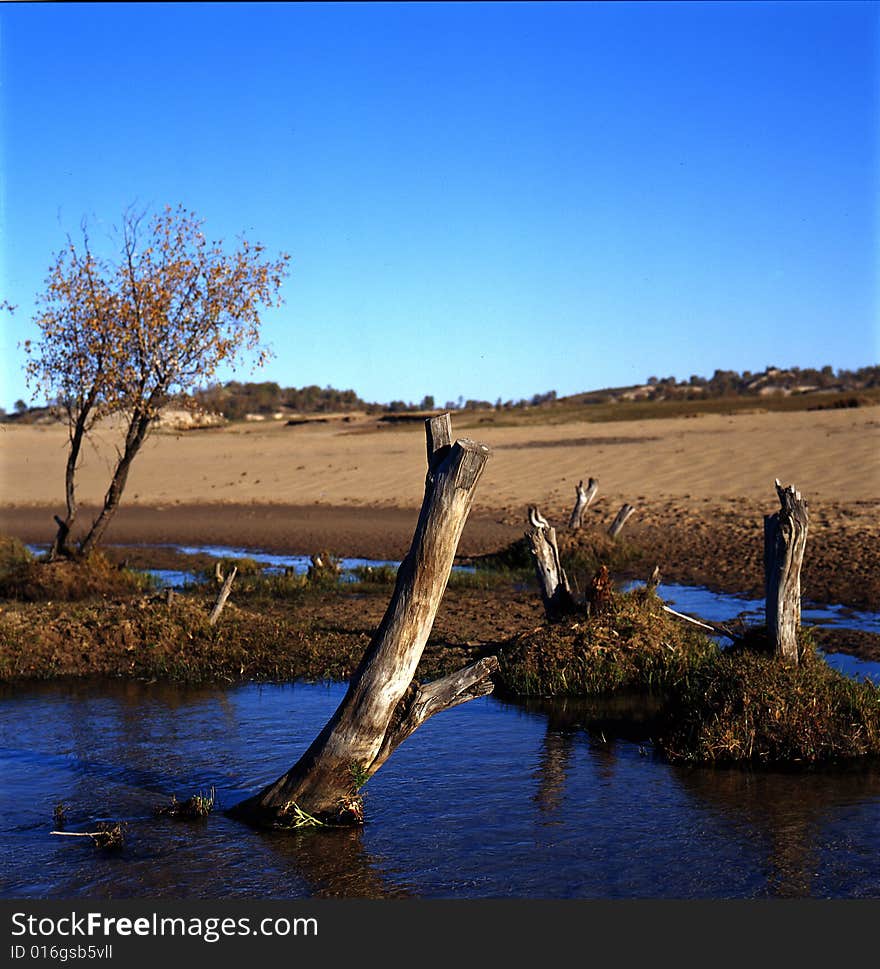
x,y
485,200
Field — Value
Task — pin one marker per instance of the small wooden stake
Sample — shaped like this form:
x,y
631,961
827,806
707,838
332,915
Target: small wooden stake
x,y
224,595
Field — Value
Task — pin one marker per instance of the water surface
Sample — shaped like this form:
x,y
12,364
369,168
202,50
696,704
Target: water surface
x,y
486,800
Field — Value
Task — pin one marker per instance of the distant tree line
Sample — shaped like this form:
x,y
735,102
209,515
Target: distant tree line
x,y
235,399
730,383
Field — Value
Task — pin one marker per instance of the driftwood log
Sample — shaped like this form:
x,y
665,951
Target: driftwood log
x,y
555,591
383,705
622,517
785,540
584,498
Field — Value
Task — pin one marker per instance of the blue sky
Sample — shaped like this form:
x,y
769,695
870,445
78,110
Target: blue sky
x,y
485,200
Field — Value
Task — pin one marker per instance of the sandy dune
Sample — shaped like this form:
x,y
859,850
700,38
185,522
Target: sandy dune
x,y
830,455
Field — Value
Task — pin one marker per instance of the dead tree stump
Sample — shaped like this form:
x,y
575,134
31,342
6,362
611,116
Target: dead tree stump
x,y
383,706
584,498
785,540
622,517
555,590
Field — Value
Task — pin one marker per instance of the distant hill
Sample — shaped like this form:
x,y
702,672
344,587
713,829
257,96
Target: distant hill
x,y
238,400
268,400
773,381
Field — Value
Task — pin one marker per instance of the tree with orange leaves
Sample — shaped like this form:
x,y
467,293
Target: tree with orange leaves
x,y
123,337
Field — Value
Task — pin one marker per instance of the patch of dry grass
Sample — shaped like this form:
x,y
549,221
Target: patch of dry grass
x,y
636,645
28,579
747,706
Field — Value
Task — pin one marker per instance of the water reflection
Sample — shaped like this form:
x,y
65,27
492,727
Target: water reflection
x,y
792,815
552,770
333,863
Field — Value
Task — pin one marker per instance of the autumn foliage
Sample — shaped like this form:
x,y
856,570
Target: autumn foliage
x,y
122,337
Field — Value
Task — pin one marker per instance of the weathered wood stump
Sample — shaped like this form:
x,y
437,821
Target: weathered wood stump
x,y
584,498
383,705
785,540
622,517
552,580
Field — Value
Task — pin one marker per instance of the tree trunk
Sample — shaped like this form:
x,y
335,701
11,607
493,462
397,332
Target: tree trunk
x,y
59,545
137,433
371,721
582,502
621,519
553,582
785,540
222,597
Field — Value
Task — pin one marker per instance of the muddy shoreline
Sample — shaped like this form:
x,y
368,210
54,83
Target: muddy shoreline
x,y
718,545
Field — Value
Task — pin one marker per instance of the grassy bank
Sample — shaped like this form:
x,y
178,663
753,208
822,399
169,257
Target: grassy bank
x,y
148,639
715,705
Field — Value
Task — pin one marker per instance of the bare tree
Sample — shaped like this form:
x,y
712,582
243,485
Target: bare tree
x,y
122,338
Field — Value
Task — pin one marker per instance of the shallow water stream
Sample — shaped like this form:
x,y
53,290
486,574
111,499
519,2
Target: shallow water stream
x,y
486,800
490,799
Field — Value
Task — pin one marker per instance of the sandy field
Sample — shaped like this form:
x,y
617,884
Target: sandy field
x,y
701,486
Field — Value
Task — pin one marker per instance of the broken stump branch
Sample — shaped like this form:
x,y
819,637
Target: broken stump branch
x,y
622,517
583,500
430,698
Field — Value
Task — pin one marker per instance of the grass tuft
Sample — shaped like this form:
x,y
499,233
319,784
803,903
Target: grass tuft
x,y
194,808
